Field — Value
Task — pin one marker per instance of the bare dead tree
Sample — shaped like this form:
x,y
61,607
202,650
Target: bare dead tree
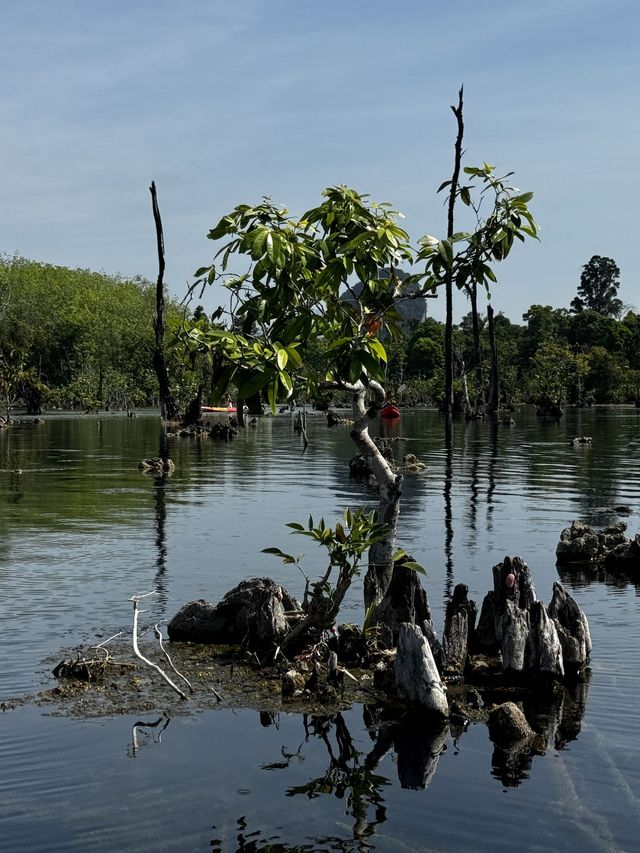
x,y
169,410
448,335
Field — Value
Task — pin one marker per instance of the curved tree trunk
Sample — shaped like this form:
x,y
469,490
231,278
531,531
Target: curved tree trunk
x,y
380,569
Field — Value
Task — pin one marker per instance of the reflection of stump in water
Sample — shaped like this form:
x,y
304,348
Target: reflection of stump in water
x,y
418,749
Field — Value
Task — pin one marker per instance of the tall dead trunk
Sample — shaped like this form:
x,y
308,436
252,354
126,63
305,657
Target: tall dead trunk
x,y
472,290
169,409
448,333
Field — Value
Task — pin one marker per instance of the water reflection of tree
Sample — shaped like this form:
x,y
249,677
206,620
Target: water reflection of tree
x,y
350,775
491,471
448,511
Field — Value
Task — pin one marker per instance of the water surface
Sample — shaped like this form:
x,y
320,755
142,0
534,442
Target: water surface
x,y
81,530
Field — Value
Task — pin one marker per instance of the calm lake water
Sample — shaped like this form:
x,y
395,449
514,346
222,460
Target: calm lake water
x,y
81,530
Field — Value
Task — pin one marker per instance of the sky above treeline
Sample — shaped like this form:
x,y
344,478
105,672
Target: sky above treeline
x,y
222,103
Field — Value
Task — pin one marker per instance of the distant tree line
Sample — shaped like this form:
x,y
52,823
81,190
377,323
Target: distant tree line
x,y
76,339
582,355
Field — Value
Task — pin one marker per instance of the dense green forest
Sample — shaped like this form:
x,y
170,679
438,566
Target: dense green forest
x,y
80,339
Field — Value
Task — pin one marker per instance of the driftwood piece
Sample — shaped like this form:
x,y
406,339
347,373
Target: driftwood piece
x,y
544,651
417,677
515,637
458,626
136,611
404,601
572,627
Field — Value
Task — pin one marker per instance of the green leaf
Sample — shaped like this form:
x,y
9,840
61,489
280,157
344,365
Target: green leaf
x,y
445,249
377,347
294,356
414,567
294,525
285,379
281,357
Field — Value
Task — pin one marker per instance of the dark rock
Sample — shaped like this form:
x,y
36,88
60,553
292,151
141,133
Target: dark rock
x,y
254,612
508,725
359,465
624,557
156,465
223,432
580,543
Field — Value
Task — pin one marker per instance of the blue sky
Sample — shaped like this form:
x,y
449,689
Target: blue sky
x,y
221,103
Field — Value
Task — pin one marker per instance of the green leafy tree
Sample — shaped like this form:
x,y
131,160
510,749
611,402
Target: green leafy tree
x,y
553,369
291,297
605,379
598,288
290,300
466,258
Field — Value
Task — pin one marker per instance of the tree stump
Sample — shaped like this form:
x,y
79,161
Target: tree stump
x,y
459,624
404,601
572,627
417,677
544,651
515,637
484,640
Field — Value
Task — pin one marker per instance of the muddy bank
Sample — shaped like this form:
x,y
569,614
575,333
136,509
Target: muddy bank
x,y
221,679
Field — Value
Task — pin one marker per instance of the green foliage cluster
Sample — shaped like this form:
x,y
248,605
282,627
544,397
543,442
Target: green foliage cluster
x,y
74,338
555,357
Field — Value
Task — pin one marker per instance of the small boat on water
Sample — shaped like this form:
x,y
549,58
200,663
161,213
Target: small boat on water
x,y
223,409
389,411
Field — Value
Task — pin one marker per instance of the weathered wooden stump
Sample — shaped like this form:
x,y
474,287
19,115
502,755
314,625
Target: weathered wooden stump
x,y
573,629
514,625
417,677
544,651
404,601
483,640
459,625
